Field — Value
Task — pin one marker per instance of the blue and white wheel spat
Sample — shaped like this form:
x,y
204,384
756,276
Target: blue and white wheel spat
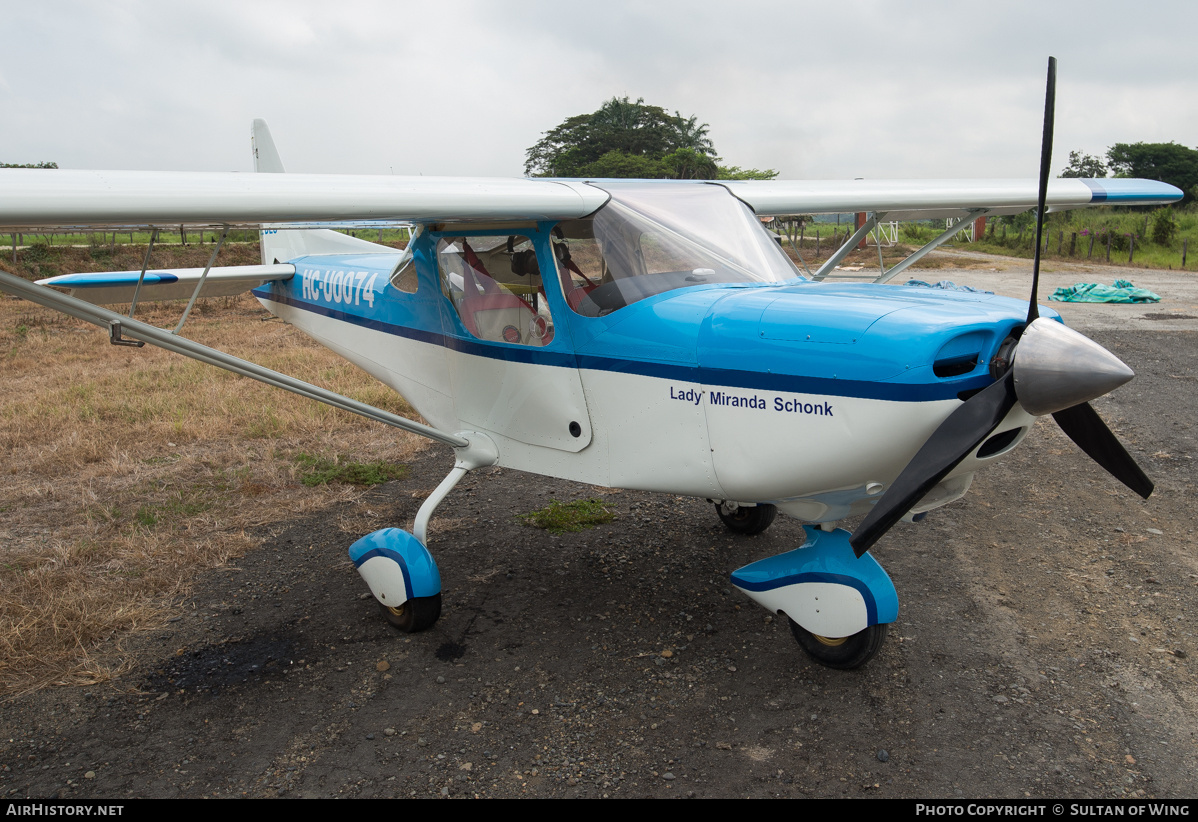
x,y
396,566
822,586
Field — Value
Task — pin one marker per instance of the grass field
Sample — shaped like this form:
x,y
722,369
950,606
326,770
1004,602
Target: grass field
x,y
129,470
1132,237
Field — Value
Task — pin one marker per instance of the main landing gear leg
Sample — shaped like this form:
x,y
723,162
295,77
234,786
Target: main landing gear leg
x,y
838,605
396,565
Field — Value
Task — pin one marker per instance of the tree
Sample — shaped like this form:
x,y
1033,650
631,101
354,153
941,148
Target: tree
x,y
28,165
630,139
1170,163
738,173
1084,165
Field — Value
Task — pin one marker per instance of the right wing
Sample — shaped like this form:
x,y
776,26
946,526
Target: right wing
x,y
32,198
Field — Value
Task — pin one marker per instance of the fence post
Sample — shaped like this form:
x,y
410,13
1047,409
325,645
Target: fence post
x,y
1072,243
14,251
1108,246
1184,243
1090,253
1131,248
817,242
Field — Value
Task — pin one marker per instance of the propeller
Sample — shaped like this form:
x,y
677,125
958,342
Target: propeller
x,y
1049,369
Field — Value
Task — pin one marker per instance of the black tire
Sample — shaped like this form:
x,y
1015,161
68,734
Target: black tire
x,y
748,520
417,614
842,654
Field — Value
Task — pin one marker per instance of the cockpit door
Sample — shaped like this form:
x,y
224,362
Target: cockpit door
x,y
512,367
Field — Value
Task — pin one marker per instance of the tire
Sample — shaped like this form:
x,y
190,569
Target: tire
x,y
417,614
746,520
842,654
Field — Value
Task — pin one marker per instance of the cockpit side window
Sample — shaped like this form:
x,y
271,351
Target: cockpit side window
x,y
494,283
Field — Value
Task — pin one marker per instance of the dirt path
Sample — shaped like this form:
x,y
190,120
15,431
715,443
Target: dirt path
x,y
1045,647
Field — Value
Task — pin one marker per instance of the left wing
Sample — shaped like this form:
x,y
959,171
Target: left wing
x,y
928,199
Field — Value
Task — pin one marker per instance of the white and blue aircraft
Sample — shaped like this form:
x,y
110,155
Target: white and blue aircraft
x,y
633,334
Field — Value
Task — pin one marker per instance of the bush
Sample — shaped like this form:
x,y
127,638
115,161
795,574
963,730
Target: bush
x,y
1164,227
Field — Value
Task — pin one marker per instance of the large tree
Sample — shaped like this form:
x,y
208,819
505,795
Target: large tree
x,y
1084,165
1168,162
631,139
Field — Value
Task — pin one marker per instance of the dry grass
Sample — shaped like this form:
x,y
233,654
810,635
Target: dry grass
x,y
125,472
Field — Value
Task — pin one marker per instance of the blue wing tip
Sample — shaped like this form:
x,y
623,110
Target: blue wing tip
x,y
1118,191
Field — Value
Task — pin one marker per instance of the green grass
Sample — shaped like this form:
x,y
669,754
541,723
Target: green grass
x,y
564,517
1070,234
322,471
178,506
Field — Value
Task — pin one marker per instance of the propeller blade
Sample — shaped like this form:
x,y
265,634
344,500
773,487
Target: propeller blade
x,y
956,437
1050,97
1082,424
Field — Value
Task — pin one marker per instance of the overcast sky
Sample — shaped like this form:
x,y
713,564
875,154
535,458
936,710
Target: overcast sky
x,y
825,90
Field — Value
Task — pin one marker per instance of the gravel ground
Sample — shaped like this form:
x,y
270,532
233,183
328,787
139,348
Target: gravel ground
x,y
1045,645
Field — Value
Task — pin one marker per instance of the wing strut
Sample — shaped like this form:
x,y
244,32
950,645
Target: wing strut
x,y
142,277
200,284
825,270
949,233
119,325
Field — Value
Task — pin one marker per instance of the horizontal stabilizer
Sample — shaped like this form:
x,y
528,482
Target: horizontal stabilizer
x,y
127,329
108,287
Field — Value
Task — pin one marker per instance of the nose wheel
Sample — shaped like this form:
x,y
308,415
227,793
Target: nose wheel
x,y
746,520
843,653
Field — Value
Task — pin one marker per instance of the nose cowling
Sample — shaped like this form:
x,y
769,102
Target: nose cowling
x,y
1056,368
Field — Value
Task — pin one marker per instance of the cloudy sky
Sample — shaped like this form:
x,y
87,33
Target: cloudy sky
x,y
819,90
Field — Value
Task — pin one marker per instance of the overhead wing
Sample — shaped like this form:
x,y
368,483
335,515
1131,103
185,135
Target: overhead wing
x,y
32,198
926,199
168,284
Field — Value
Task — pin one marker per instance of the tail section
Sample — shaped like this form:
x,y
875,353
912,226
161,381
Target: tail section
x,y
266,156
281,244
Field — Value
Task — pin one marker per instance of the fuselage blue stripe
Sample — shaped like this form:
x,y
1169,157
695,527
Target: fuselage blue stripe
x,y
694,374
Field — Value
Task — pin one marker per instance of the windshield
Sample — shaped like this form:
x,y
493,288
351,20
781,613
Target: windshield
x,y
649,239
